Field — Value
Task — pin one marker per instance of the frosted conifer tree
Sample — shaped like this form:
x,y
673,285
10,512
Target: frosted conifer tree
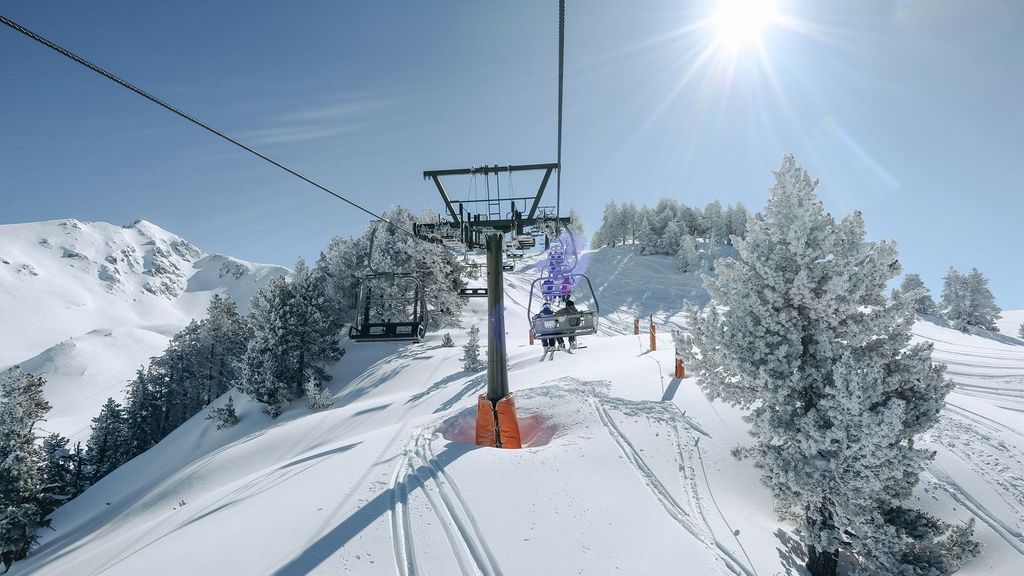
x,y
954,299
646,238
628,222
22,406
106,448
223,337
310,337
140,414
800,334
981,304
471,352
1020,332
913,287
258,377
967,301
575,226
715,224
56,473
737,221
670,240
687,257
609,232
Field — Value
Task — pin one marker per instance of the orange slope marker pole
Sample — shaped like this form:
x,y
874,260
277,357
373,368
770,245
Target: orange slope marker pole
x,y
654,342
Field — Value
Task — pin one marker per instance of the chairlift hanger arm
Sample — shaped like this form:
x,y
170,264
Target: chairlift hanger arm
x,y
540,192
447,201
488,169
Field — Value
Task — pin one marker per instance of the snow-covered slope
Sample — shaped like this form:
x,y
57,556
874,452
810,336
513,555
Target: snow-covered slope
x,y
626,470
84,304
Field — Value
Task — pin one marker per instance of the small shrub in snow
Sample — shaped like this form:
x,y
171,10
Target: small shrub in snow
x,y
225,416
447,341
1020,332
317,397
471,352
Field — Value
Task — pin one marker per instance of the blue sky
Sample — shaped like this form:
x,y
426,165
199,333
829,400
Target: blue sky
x,y
910,111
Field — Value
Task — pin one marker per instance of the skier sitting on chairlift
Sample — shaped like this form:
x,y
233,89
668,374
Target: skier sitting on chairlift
x,y
569,308
545,311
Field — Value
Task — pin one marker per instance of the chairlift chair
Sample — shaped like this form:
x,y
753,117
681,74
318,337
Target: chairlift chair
x,y
376,321
580,323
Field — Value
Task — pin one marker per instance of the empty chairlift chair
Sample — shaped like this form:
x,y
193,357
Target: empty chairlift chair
x,y
391,307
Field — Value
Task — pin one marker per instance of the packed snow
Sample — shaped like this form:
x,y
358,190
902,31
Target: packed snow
x,y
625,469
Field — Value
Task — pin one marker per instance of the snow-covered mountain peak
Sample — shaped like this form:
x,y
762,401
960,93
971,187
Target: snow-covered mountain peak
x,y
72,291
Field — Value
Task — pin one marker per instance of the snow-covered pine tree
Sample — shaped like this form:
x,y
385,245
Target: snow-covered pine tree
x,y
1020,331
575,226
471,351
141,415
225,415
22,406
56,471
79,478
715,224
223,337
264,368
687,258
648,242
628,222
981,304
913,285
106,448
799,333
609,232
665,211
954,299
311,334
173,378
340,265
737,221
671,238
258,377
317,397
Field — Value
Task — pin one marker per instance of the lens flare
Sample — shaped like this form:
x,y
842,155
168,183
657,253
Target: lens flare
x,y
740,22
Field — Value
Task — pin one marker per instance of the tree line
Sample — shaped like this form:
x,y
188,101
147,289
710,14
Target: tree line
x,y
275,354
689,234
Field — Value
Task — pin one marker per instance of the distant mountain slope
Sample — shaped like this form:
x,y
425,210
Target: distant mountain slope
x,y
86,303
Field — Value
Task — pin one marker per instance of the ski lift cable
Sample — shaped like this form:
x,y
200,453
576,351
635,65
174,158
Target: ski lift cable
x,y
124,83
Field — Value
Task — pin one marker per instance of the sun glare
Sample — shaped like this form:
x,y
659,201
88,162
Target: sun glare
x,y
739,22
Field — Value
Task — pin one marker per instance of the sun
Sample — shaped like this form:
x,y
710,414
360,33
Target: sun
x,y
739,22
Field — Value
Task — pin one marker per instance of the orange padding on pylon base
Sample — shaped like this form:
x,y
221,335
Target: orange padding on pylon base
x,y
508,423
485,422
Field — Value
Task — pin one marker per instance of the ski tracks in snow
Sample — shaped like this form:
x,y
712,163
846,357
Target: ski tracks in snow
x,y
419,466
689,514
974,439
